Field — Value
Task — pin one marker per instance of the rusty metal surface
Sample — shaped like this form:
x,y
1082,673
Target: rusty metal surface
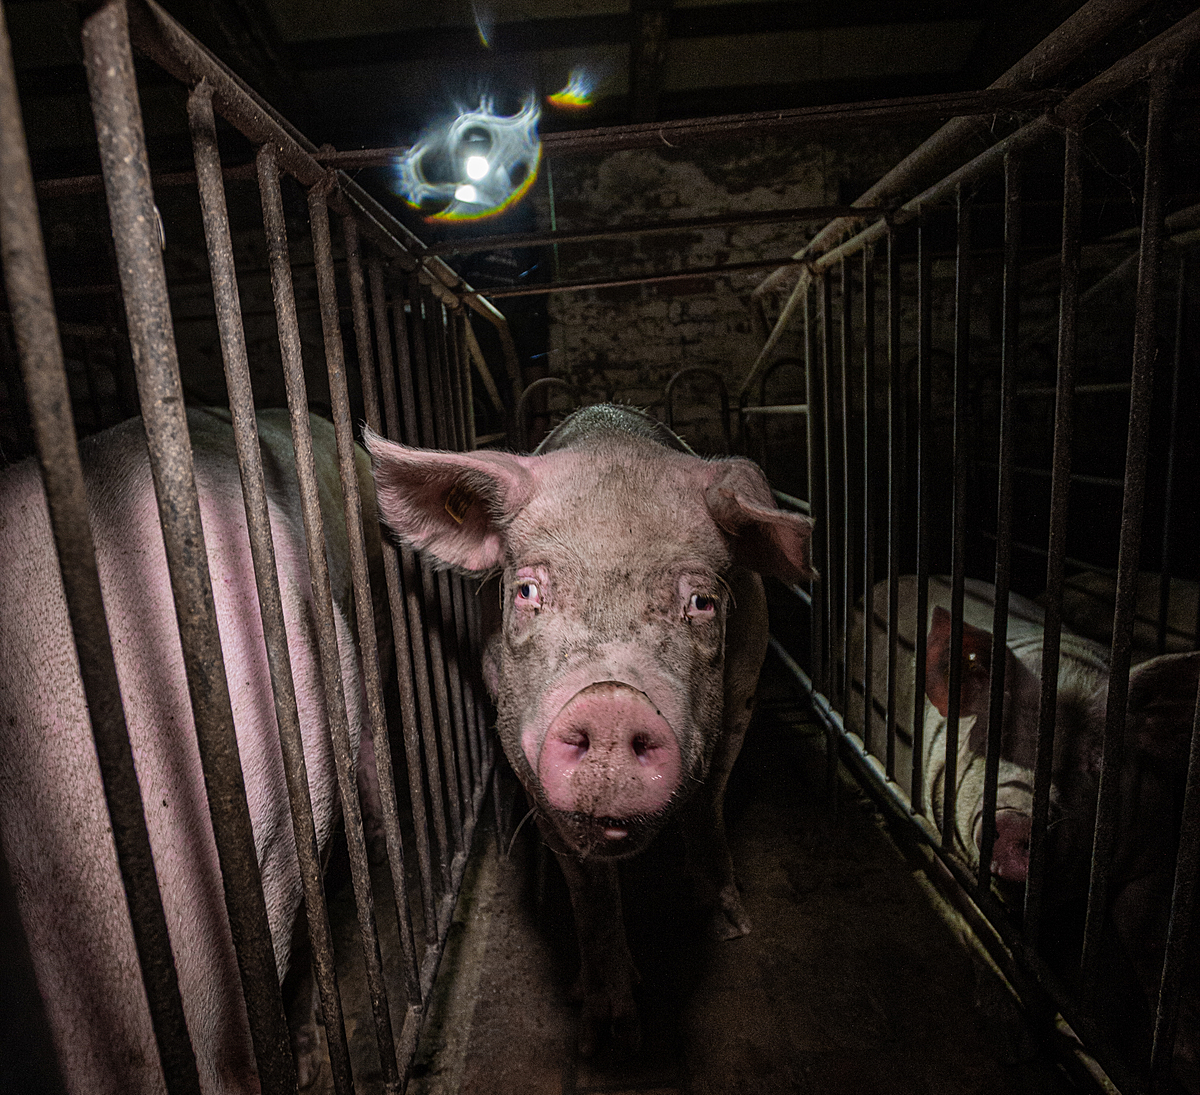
x,y
262,549
27,282
109,63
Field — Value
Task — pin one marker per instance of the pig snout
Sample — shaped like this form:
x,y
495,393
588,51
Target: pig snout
x,y
609,754
1010,853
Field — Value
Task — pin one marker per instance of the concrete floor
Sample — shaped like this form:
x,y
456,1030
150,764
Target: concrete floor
x,y
851,981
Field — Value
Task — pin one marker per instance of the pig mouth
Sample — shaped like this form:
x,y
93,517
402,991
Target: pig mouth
x,y
591,837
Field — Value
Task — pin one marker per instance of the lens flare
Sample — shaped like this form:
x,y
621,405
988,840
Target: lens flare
x,y
479,165
578,92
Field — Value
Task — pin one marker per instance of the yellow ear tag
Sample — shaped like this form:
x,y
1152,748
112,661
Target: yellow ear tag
x,y
459,501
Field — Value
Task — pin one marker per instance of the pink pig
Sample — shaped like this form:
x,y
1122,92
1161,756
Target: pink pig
x,y
53,822
625,665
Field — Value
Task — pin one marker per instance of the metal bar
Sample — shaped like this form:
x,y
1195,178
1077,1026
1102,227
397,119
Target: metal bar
x,y
1088,26
431,582
868,515
364,601
1181,923
227,303
895,493
924,382
1164,578
1140,397
27,282
1060,494
113,88
963,275
848,478
1003,573
410,568
816,479
779,408
391,572
682,224
833,504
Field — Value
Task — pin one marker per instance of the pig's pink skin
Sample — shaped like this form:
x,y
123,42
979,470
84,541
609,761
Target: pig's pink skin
x,y
602,540
52,815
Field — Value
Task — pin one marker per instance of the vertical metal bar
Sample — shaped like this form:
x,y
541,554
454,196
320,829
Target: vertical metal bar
x,y
848,479
832,569
1140,397
958,519
391,570
227,302
412,583
816,484
868,514
924,382
1060,494
27,281
1164,579
364,601
1008,365
895,493
360,872
421,304
1182,921
113,88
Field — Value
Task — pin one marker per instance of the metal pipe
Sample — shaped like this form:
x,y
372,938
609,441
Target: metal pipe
x,y
1003,573
895,493
399,617
1137,444
833,542
1164,578
113,88
816,492
722,395
868,515
1060,496
27,282
364,600
848,477
227,303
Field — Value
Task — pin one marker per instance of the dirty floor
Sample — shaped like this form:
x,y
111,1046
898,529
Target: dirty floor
x,y
851,981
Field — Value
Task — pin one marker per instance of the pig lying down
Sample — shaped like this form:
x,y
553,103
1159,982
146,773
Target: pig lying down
x,y
624,668
53,820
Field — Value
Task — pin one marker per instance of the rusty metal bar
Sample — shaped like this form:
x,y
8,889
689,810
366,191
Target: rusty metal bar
x,y
1003,575
364,601
1140,397
1060,496
412,601
963,275
360,872
262,549
109,63
391,571
895,491
432,583
722,395
1087,27
1182,921
27,281
868,514
1164,577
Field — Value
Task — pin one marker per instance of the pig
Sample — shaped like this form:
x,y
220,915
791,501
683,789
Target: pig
x,y
53,822
625,660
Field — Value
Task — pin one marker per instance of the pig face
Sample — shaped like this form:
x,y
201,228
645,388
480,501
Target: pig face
x,y
609,665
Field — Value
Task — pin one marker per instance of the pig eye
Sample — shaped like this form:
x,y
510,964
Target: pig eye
x,y
528,593
701,606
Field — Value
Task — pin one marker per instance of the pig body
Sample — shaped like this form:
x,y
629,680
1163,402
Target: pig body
x,y
53,820
632,633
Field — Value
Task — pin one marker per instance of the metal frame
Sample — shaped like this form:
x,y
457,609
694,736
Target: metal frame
x,y
419,308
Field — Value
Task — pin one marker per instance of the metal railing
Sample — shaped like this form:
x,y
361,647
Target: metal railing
x,y
414,353
875,480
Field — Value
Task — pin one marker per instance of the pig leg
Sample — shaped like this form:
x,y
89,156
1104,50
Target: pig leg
x,y
606,971
704,824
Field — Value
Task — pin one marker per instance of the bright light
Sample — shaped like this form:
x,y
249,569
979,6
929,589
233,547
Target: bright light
x,y
445,169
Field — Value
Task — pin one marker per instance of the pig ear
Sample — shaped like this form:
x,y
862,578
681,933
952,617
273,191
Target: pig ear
x,y
452,505
765,538
1162,706
976,665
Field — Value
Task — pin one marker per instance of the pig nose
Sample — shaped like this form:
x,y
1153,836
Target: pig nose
x,y
609,754
1010,856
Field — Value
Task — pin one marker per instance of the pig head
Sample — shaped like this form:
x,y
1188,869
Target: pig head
x,y
53,821
629,643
